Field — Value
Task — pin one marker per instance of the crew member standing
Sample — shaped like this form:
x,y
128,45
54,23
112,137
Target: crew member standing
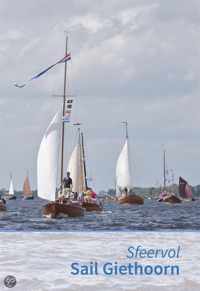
x,y
67,183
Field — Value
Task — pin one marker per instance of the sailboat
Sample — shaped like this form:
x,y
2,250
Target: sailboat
x,y
165,195
48,163
10,195
27,193
123,176
77,170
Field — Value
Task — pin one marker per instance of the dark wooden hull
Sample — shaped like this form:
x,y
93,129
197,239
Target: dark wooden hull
x,y
131,199
56,209
11,197
89,206
171,199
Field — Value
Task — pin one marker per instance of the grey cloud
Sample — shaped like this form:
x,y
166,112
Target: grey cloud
x,y
134,60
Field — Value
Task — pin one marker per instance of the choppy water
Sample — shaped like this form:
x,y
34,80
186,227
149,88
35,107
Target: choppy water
x,y
41,261
26,215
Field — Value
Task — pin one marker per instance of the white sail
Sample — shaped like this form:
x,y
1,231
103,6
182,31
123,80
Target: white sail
x,y
11,188
48,160
76,169
123,172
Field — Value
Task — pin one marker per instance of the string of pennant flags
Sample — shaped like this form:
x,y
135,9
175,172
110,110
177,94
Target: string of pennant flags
x,y
69,102
65,59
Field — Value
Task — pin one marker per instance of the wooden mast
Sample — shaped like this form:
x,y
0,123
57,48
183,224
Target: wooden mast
x,y
164,169
63,113
84,162
126,128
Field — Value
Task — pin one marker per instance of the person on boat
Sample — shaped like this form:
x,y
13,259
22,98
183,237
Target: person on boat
x,y
93,195
75,196
90,196
67,185
124,192
81,196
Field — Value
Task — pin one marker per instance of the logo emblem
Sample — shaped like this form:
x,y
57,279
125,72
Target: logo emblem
x,y
10,281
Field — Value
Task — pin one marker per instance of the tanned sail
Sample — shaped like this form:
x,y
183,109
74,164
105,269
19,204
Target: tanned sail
x,y
185,190
27,188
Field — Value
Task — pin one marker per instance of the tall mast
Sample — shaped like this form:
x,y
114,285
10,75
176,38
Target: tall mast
x,y
164,169
126,128
80,156
63,113
84,163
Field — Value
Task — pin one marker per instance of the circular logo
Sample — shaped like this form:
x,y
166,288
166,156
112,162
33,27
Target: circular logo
x,y
10,281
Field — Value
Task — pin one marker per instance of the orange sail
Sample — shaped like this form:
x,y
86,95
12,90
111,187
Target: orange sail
x,y
27,188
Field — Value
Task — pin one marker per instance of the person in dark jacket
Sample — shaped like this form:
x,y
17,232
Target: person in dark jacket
x,y
67,184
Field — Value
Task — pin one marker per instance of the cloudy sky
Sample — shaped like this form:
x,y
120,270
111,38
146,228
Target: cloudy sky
x,y
135,60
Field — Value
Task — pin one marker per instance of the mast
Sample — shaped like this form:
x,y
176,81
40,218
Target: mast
x,y
164,169
84,162
63,113
126,128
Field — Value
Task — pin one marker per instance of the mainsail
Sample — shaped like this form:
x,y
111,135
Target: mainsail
x,y
11,188
27,188
76,168
48,160
123,172
185,190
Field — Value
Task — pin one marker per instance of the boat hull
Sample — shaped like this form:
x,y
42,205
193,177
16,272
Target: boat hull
x,y
56,209
171,199
131,199
28,198
10,197
2,206
89,206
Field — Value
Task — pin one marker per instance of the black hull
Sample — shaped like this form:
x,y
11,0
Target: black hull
x,y
28,198
11,197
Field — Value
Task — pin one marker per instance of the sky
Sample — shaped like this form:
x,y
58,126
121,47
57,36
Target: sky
x,y
134,60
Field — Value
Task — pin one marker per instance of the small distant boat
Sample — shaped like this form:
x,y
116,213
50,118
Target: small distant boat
x,y
11,193
48,167
185,191
123,176
27,193
77,169
167,196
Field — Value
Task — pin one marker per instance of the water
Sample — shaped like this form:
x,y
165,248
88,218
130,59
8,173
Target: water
x,y
26,215
41,261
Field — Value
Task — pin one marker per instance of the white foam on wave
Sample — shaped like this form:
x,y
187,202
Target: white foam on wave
x,y
40,261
